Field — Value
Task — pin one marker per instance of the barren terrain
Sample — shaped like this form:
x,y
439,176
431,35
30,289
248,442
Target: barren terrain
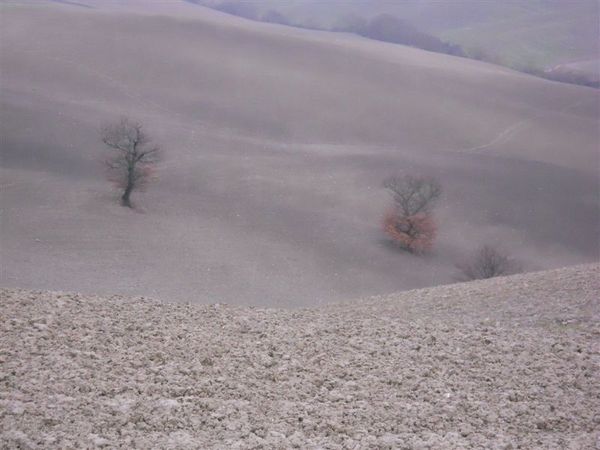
x,y
505,363
276,142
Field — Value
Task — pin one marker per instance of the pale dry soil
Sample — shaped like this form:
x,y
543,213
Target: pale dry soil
x,y
506,363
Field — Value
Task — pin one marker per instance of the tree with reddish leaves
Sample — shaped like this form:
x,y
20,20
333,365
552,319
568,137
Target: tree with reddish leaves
x,y
414,233
133,157
410,224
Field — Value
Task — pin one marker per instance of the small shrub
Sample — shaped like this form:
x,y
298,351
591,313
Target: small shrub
x,y
488,262
415,234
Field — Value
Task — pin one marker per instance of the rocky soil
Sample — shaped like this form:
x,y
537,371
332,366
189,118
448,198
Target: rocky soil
x,y
506,363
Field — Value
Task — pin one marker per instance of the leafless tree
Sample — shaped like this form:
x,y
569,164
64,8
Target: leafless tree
x,y
488,262
413,195
133,156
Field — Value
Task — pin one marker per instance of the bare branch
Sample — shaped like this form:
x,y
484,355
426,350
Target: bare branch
x,y
413,195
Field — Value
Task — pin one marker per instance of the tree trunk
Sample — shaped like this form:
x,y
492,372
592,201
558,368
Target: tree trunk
x,y
125,201
125,198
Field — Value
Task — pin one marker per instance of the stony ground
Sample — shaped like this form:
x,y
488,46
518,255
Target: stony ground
x,y
507,363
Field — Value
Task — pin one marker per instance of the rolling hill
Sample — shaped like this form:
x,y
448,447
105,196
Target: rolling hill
x,y
276,141
531,34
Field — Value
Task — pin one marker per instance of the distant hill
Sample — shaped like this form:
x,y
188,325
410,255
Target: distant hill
x,y
531,34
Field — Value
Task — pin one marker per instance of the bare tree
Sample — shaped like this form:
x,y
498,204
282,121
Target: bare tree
x,y
413,195
133,156
409,224
488,262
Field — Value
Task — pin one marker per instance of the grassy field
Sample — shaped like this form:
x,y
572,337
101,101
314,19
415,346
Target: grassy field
x,y
541,39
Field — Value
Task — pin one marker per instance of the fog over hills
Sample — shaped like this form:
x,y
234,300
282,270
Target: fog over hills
x,y
276,142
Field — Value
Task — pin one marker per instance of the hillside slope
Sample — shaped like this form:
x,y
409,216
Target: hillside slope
x,y
503,363
276,141
529,34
